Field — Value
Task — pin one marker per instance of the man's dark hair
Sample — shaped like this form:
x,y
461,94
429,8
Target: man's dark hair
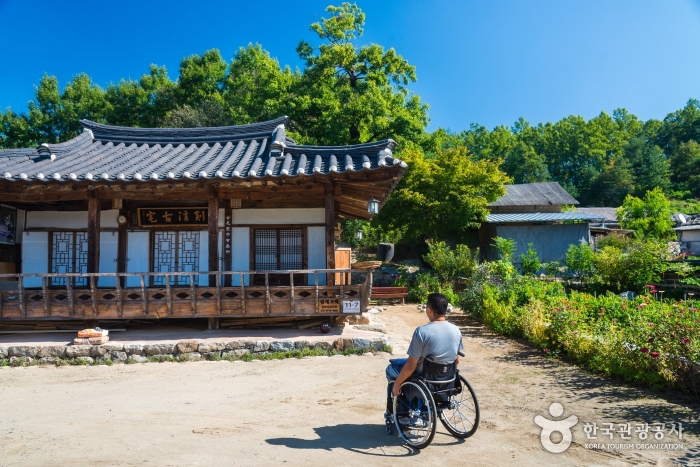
x,y
438,303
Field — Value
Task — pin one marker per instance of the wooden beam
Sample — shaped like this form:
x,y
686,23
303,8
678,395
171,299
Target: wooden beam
x,y
213,232
93,233
330,232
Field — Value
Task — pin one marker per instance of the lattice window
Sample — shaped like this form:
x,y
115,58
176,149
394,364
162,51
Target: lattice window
x,y
175,252
277,249
69,254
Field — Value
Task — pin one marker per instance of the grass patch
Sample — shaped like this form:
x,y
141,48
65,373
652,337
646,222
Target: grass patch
x,y
108,361
4,363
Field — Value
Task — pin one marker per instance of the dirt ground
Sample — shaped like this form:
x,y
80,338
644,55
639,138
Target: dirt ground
x,y
319,411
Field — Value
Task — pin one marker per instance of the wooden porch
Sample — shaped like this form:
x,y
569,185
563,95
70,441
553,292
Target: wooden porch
x,y
121,301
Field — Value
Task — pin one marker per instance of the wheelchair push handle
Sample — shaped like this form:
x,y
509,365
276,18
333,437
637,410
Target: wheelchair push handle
x,y
460,354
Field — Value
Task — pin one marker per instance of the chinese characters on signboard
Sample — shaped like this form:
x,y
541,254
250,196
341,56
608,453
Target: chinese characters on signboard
x,y
172,216
329,305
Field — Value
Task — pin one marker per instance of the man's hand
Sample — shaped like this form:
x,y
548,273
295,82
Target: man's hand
x,y
406,373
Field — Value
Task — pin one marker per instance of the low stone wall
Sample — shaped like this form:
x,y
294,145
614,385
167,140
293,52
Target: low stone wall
x,y
186,350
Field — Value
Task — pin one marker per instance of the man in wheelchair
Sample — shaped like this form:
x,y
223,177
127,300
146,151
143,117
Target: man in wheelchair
x,y
433,353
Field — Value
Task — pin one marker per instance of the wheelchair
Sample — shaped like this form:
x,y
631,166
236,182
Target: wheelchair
x,y
422,401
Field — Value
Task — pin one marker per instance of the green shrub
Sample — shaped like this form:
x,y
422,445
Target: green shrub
x,y
427,283
505,248
450,264
579,260
530,261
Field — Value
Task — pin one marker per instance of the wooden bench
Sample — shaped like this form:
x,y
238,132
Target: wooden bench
x,y
380,293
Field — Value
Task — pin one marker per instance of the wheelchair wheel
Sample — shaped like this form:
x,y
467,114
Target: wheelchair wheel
x,y
460,414
415,414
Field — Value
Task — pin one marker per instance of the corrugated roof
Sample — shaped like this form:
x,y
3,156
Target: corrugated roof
x,y
688,227
534,194
111,153
608,214
540,217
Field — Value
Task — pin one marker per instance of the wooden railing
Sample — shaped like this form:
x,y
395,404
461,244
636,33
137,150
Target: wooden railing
x,y
123,300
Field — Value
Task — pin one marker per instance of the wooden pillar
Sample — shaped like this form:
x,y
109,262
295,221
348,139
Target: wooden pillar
x,y
213,234
93,232
330,232
228,242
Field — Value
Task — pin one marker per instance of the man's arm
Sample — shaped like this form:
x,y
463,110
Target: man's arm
x,y
406,373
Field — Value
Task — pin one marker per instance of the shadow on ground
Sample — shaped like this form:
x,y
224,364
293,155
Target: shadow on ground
x,y
371,440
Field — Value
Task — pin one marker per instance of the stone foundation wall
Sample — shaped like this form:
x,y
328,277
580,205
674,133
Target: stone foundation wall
x,y
186,350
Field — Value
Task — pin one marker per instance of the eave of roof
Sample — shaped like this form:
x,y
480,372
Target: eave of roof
x,y
120,154
539,217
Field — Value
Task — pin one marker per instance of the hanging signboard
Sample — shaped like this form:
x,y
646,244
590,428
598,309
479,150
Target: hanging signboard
x,y
173,216
8,223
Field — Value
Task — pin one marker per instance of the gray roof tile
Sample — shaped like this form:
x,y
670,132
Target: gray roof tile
x,y
111,153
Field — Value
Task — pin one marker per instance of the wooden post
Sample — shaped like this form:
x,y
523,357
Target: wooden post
x,y
213,233
330,234
93,232
121,248
228,243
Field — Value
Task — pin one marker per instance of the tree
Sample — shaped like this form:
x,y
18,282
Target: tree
x,y
649,217
350,94
610,187
444,197
256,88
685,168
649,165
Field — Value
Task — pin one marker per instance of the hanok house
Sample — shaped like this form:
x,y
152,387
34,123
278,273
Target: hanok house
x,y
532,213
201,222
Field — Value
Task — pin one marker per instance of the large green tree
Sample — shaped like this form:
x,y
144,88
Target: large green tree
x,y
352,94
444,197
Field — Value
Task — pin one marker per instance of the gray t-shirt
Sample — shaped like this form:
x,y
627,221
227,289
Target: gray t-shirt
x,y
439,340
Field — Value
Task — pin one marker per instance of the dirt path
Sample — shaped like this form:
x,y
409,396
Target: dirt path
x,y
321,410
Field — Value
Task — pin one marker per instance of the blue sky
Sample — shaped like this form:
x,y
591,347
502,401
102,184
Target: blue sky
x,y
485,62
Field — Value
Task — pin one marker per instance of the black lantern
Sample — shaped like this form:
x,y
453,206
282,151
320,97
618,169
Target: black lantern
x,y
373,206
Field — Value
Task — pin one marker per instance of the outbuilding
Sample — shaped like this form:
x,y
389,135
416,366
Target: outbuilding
x,y
532,213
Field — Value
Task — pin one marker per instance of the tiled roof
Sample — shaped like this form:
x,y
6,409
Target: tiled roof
x,y
111,153
687,220
608,214
540,217
534,194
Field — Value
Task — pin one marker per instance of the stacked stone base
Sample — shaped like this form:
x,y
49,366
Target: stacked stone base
x,y
187,350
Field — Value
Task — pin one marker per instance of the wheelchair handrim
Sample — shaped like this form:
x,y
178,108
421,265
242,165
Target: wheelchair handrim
x,y
407,415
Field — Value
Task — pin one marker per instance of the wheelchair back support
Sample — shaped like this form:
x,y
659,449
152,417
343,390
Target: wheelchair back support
x,y
440,379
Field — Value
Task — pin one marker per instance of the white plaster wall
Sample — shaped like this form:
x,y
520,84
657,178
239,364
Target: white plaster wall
x,y
316,252
69,219
108,219
108,257
56,219
35,256
240,252
689,235
278,216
